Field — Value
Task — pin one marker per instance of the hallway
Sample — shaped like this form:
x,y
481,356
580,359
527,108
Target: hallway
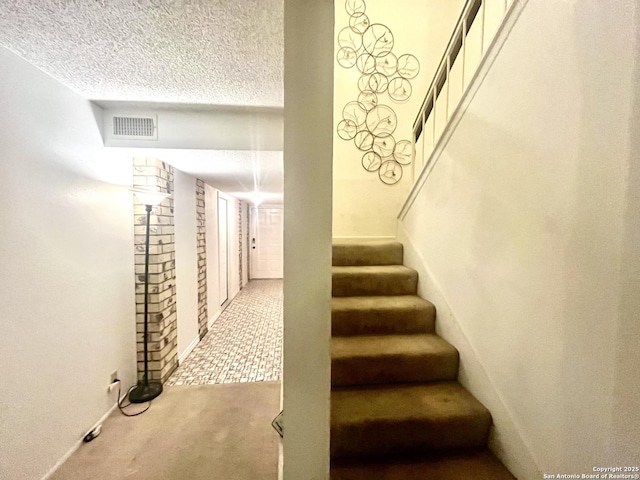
x,y
243,345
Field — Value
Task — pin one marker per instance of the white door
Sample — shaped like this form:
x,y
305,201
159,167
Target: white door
x,y
266,242
223,255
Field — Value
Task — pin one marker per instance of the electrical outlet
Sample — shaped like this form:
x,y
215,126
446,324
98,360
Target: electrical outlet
x,y
114,376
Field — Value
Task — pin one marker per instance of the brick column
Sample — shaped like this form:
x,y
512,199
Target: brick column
x,y
153,174
202,260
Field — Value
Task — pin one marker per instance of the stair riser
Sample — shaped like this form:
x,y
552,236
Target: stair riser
x,y
382,322
359,255
393,369
408,437
355,284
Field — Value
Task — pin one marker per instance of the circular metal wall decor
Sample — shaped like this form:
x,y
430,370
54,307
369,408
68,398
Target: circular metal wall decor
x,y
371,161
367,122
377,40
390,172
355,8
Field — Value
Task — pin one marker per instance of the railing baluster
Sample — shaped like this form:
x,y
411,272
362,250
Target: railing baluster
x,y
448,80
433,139
464,49
482,25
424,134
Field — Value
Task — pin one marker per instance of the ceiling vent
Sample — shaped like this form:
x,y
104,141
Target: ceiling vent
x,y
138,128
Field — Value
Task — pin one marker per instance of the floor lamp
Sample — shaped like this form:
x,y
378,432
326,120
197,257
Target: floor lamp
x,y
146,390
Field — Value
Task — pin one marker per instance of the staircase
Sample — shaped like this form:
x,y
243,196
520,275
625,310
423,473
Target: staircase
x,y
397,411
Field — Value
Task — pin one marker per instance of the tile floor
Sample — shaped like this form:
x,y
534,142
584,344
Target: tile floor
x,y
243,345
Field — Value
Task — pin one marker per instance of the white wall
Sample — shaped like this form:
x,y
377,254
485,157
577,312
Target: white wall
x,y
362,204
526,230
67,271
184,202
308,79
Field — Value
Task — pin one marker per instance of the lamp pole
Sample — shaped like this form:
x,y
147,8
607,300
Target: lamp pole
x,y
146,390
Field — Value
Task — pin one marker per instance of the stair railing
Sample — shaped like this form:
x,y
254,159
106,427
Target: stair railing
x,y
477,25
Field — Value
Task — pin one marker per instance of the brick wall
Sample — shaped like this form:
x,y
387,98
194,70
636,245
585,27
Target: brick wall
x,y
202,260
156,175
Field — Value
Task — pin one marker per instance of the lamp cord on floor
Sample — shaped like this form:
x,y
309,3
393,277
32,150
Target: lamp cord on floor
x,y
121,407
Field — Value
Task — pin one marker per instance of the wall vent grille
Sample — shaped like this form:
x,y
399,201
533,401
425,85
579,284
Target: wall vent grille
x,y
142,128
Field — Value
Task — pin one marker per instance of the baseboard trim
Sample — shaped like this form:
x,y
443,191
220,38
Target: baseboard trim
x,y
214,318
189,349
77,445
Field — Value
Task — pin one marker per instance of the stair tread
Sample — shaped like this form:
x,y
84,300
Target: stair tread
x,y
373,280
467,465
371,269
380,302
436,401
376,314
367,252
392,359
391,345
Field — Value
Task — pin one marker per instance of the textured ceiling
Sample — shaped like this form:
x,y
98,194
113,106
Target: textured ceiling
x,y
222,52
196,52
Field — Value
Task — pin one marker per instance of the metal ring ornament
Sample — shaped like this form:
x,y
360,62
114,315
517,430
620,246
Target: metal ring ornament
x,y
366,64
403,152
364,140
359,24
381,121
355,8
387,65
408,66
390,172
348,37
399,89
368,99
371,161
377,40
346,57
347,129
355,112
384,146
378,82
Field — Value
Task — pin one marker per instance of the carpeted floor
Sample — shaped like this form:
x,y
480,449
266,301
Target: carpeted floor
x,y
207,432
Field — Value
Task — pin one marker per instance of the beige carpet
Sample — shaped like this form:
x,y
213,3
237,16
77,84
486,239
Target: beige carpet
x,y
190,432
397,411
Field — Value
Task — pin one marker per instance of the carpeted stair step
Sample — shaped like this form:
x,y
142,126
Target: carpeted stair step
x,y
381,315
374,280
370,252
405,419
464,465
370,360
